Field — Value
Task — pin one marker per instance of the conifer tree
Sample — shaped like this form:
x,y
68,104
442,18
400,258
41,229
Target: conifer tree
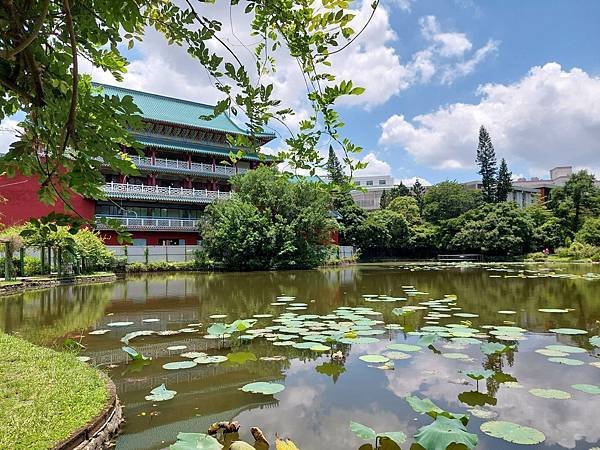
x,y
486,160
418,192
504,184
335,170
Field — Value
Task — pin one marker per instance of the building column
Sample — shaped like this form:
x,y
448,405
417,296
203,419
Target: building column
x,y
214,185
122,178
189,159
214,164
153,156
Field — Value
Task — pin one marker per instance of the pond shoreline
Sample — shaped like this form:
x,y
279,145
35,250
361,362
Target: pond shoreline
x,y
101,429
32,284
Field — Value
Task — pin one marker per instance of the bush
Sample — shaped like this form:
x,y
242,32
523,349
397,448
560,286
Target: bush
x,y
578,251
590,232
33,266
160,266
90,247
383,232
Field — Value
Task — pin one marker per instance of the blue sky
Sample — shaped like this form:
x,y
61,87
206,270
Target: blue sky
x,y
434,71
528,34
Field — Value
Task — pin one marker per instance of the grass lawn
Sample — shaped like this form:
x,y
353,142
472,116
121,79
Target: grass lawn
x,y
44,395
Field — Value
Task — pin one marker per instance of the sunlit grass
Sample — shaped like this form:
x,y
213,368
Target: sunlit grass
x,y
44,395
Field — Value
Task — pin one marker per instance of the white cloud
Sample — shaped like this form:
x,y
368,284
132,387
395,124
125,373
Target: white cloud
x,y
450,44
8,133
375,166
549,117
412,180
404,5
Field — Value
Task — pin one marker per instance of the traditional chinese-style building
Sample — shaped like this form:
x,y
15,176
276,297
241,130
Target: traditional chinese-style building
x,y
182,169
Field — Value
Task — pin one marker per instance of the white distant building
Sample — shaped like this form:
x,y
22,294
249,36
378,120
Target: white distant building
x,y
370,197
529,191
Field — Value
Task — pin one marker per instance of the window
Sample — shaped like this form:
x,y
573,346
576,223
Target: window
x,y
358,183
139,242
381,181
370,183
169,241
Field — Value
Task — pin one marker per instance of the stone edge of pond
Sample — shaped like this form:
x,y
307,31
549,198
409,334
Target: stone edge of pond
x,y
101,429
34,284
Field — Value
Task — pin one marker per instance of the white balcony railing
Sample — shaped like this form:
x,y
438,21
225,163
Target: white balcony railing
x,y
152,223
165,163
124,190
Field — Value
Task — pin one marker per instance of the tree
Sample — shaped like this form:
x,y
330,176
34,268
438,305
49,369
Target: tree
x,y
351,214
504,184
400,190
547,230
407,207
486,159
590,231
335,170
449,199
271,223
382,232
578,199
70,128
500,229
418,192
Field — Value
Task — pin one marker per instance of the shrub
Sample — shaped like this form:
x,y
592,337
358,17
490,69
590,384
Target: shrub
x,y
579,250
91,247
590,232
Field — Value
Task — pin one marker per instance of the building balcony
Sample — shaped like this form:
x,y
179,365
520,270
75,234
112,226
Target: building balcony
x,y
162,193
152,223
185,167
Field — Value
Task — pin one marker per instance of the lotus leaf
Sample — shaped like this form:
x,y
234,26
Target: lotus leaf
x,y
553,310
240,445
263,387
217,329
567,331
241,357
359,340
397,355
150,320
566,348
218,316
456,355
160,394
125,339
550,393
362,431
134,354
195,441
426,406
119,324
512,432
479,374
180,365
469,315
507,312
397,436
552,353
566,361
476,398
175,348
98,332
595,341
192,355
443,432
319,348
374,358
428,339
213,359
587,388
490,348
405,347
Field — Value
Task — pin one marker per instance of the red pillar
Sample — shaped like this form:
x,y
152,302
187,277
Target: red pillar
x,y
214,185
214,162
153,156
189,157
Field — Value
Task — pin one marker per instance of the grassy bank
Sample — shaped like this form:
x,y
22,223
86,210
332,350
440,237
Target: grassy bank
x,y
44,395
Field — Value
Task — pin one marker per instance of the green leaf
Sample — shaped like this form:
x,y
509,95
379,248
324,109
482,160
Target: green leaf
x,y
178,365
262,387
587,388
569,331
160,394
550,393
374,358
397,436
595,341
479,374
512,432
426,406
195,441
443,432
363,431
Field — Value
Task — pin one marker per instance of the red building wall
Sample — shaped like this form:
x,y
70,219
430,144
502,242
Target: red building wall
x,y
20,202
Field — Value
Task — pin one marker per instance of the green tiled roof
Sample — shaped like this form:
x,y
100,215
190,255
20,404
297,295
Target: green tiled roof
x,y
193,147
177,111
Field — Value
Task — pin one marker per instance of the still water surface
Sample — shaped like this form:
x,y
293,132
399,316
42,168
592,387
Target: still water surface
x,y
321,397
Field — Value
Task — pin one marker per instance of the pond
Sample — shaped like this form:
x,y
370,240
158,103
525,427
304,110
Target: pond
x,y
455,308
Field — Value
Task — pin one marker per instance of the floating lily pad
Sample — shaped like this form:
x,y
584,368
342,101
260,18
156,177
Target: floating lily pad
x,y
456,355
566,348
507,312
553,310
98,332
490,348
512,432
595,341
175,348
150,320
180,365
444,431
319,348
468,315
397,355
587,388
566,361
551,353
119,324
192,355
374,358
160,394
240,357
405,347
218,316
359,340
568,331
195,441
129,336
214,359
263,387
550,393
